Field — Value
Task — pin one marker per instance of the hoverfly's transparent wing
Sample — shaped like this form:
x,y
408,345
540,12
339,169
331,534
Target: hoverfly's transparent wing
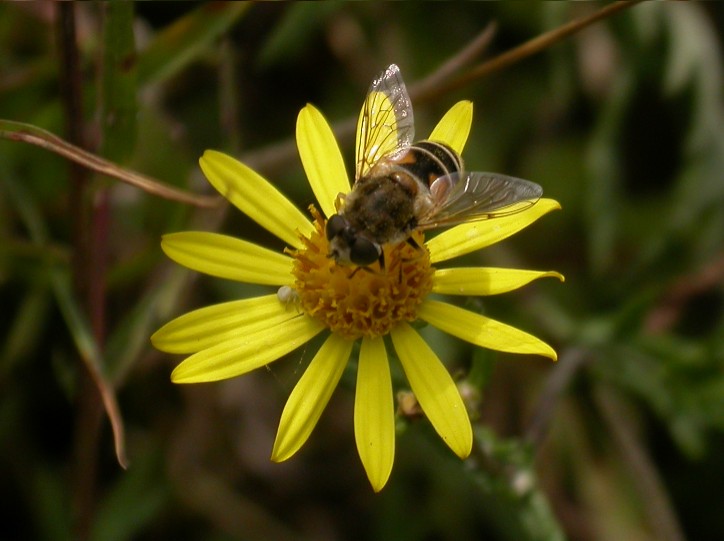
x,y
385,126
469,196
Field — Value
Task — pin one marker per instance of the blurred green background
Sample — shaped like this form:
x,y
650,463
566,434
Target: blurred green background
x,y
622,123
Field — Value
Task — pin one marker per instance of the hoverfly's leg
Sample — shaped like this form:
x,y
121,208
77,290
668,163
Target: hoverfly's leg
x,y
412,242
365,269
419,253
381,261
339,201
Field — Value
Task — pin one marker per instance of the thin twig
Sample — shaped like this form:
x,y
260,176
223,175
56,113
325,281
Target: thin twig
x,y
88,348
89,413
530,47
18,131
667,312
570,362
422,90
276,157
655,500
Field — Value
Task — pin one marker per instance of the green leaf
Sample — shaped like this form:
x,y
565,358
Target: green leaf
x,y
129,338
27,323
187,39
133,501
506,475
49,502
80,331
296,29
118,82
74,317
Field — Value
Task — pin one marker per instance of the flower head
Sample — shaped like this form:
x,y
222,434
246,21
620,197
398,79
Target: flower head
x,y
349,303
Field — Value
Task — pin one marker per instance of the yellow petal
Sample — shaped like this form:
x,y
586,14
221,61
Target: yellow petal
x,y
321,158
310,396
246,352
253,195
454,128
374,415
485,280
227,257
482,331
468,237
211,325
434,389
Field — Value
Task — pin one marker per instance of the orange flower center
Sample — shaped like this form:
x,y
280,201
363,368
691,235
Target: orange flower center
x,y
356,302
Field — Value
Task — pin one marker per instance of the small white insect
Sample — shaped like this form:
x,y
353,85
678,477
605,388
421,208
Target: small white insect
x,y
287,295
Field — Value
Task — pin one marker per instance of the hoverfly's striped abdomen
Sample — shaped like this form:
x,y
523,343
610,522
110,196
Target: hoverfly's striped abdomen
x,y
427,161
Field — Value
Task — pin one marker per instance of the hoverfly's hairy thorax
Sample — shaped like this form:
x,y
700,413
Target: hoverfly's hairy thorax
x,y
381,207
385,204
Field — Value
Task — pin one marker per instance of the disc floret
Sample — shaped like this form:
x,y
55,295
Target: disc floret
x,y
360,302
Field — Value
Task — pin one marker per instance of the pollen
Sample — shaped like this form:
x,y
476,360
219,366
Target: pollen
x,y
357,302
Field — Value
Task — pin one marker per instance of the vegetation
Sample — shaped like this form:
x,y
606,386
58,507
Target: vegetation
x,y
106,109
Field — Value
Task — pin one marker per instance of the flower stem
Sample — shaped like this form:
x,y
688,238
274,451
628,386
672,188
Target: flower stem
x,y
88,407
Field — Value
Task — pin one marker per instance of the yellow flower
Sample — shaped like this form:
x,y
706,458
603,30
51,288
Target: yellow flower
x,y
315,295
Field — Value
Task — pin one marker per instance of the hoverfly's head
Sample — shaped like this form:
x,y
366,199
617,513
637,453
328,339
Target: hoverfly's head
x,y
347,246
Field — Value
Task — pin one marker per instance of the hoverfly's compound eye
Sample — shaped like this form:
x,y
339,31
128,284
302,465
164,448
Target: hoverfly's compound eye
x,y
335,225
364,252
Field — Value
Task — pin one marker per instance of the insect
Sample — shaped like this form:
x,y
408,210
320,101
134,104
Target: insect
x,y
287,296
401,187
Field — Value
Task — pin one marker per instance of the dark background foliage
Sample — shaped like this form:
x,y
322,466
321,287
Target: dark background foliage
x,y
622,123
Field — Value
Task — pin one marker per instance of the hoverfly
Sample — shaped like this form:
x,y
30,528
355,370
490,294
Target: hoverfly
x,y
401,187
